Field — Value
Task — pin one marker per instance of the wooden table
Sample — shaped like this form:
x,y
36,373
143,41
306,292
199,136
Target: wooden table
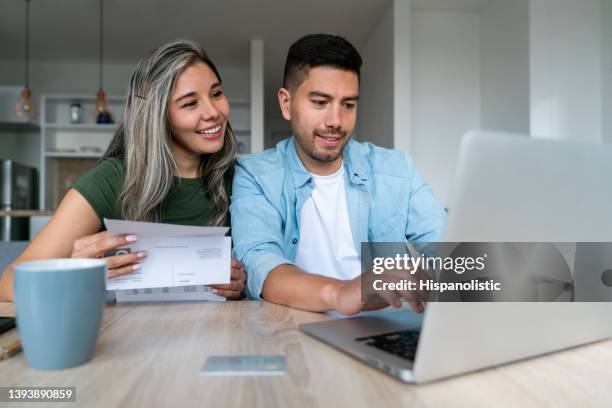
x,y
151,354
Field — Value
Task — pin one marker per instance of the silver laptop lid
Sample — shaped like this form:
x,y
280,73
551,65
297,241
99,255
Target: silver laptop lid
x,y
514,188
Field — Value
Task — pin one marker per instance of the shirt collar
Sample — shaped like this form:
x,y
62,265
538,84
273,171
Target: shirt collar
x,y
300,175
354,164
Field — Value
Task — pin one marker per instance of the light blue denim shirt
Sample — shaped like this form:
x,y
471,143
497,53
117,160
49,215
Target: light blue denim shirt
x,y
387,201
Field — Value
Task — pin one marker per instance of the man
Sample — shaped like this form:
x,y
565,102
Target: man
x,y
301,210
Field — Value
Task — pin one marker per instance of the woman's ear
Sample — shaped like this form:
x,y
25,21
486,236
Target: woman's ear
x,y
284,101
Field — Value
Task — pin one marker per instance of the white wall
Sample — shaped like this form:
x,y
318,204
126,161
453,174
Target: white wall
x,y
402,80
607,70
385,90
22,147
375,114
566,69
504,65
257,96
445,81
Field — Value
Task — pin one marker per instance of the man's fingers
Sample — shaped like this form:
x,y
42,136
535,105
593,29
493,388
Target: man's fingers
x,y
238,275
236,285
233,285
375,305
237,264
123,270
235,273
417,306
227,293
238,272
394,298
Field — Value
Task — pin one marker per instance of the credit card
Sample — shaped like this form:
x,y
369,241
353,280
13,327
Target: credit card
x,y
243,365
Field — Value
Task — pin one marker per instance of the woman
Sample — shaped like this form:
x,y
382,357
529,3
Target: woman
x,y
170,161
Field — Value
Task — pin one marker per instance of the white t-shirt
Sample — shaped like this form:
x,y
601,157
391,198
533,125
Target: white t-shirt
x,y
326,241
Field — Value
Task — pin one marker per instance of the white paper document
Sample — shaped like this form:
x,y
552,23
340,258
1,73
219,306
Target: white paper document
x,y
177,255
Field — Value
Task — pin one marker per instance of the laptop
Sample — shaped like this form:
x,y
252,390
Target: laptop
x,y
507,188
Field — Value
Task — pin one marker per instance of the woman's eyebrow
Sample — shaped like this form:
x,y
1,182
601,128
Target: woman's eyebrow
x,y
187,95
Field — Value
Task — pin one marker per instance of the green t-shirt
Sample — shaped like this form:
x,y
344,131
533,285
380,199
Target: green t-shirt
x,y
186,204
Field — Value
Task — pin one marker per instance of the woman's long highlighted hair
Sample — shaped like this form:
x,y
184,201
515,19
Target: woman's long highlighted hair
x,y
143,140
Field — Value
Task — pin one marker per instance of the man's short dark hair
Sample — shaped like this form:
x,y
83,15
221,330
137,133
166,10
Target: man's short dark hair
x,y
317,50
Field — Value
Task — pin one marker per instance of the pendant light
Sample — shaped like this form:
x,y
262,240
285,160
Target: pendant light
x,y
103,113
24,106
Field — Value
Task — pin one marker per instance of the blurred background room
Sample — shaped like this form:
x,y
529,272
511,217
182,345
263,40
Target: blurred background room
x,y
433,69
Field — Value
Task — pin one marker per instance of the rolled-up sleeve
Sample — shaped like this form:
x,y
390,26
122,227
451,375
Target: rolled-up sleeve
x,y
256,231
426,216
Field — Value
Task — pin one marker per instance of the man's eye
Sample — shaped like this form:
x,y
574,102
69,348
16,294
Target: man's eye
x,y
349,106
319,103
217,94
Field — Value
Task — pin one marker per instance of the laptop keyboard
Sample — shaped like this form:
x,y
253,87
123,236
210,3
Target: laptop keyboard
x,y
401,343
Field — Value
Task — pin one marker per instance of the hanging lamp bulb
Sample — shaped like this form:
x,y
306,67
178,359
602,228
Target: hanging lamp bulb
x,y
103,113
24,108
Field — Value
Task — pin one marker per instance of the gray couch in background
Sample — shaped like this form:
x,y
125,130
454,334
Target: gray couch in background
x,y
9,251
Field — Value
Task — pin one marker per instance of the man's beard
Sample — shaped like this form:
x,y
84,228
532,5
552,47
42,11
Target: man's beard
x,y
320,156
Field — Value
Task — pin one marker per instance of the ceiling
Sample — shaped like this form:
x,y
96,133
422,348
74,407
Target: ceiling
x,y
67,30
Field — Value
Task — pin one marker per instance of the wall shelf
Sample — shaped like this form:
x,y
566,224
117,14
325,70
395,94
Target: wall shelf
x,y
61,139
73,155
83,126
